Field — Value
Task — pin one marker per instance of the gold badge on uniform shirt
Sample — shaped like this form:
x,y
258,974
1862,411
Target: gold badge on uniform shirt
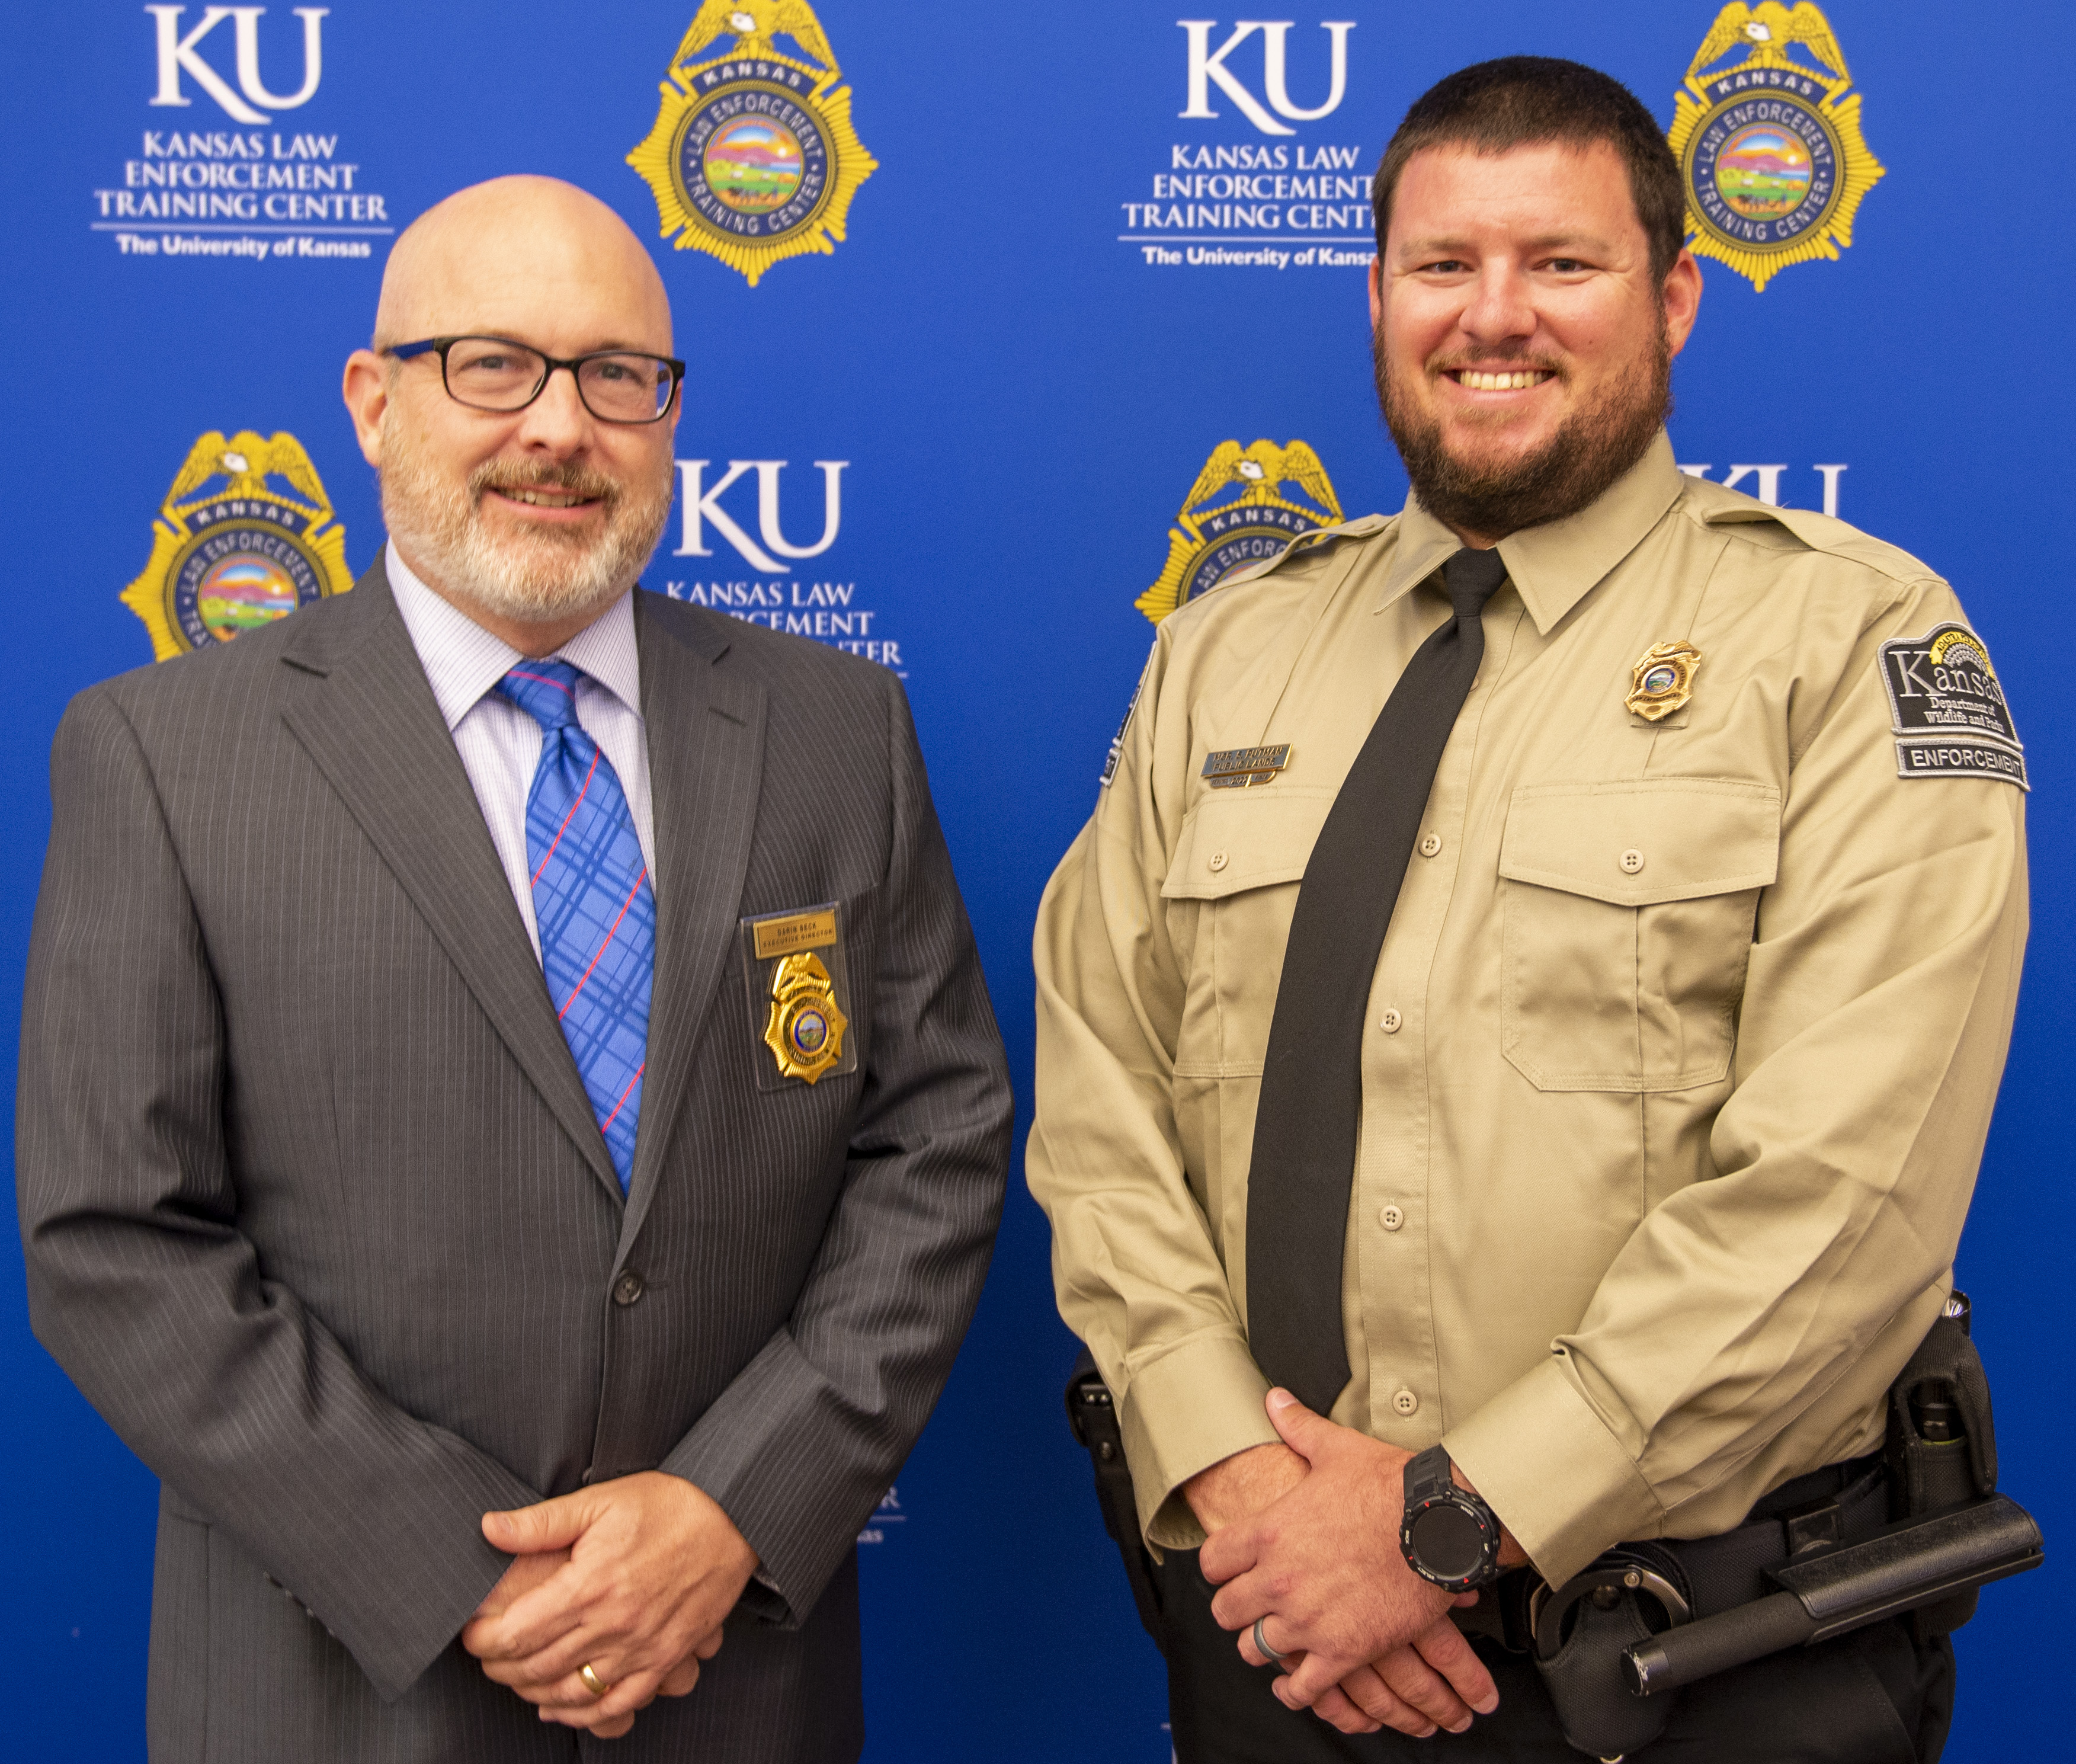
x,y
1662,680
805,1029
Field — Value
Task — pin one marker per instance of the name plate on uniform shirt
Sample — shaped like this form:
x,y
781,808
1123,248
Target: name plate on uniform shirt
x,y
1238,767
794,932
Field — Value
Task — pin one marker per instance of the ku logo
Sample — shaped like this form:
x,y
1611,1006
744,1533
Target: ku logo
x,y
1764,481
1208,68
181,53
700,508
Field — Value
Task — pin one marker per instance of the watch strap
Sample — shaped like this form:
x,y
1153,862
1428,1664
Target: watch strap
x,y
1427,1475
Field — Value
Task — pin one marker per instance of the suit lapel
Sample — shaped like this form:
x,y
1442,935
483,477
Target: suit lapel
x,y
705,730
365,715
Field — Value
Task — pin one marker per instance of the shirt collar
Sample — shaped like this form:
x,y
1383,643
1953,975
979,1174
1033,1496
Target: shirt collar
x,y
1554,565
463,661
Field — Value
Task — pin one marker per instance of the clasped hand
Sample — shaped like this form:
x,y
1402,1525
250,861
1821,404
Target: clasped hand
x,y
1320,1565
631,1577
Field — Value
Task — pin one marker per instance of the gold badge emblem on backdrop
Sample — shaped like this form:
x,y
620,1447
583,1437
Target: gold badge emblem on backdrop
x,y
230,559
1209,543
1770,149
752,157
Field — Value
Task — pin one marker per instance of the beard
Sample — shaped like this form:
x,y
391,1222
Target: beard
x,y
533,578
1591,449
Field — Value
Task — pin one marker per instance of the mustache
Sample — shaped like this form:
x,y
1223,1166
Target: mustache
x,y
578,479
1496,361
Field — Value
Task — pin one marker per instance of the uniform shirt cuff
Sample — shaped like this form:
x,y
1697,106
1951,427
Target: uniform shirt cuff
x,y
1184,1412
1560,1481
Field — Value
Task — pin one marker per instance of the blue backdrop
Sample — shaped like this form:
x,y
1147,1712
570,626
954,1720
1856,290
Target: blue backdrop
x,y
1024,351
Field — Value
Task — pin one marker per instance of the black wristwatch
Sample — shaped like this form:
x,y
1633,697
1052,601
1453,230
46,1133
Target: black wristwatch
x,y
1450,1537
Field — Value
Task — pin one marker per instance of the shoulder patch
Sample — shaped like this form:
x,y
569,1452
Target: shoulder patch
x,y
1117,741
1947,708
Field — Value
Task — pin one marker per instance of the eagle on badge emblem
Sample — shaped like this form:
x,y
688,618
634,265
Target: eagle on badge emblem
x,y
1261,471
1771,28
755,23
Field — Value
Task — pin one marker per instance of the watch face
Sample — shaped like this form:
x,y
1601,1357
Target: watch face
x,y
1450,1543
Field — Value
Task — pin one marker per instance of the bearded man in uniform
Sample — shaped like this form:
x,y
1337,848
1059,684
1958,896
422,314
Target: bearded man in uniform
x,y
1520,1028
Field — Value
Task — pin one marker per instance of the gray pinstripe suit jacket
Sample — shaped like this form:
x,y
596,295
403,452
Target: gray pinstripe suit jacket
x,y
316,1214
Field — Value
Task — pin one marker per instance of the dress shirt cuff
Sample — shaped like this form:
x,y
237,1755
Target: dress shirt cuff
x,y
1558,1479
1183,1413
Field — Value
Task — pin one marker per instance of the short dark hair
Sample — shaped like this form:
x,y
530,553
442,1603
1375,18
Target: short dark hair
x,y
1530,100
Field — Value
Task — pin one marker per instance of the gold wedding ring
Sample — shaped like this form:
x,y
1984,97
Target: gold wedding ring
x,y
593,1682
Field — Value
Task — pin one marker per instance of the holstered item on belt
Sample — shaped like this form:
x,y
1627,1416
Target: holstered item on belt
x,y
1942,1441
1580,1628
1911,1565
1636,1591
1093,1416
1941,1453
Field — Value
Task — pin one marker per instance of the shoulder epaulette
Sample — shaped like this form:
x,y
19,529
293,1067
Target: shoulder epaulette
x,y
1821,532
1307,545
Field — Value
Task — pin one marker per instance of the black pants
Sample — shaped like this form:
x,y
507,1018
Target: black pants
x,y
1871,1697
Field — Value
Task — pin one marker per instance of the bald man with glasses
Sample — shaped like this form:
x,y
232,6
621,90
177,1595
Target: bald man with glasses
x,y
511,1127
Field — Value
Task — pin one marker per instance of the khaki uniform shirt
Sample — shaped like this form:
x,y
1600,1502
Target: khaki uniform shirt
x,y
1681,1049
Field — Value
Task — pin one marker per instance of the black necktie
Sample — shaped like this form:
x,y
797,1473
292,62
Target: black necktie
x,y
1310,1110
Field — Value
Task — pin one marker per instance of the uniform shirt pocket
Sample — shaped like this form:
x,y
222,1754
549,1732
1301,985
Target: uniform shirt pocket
x,y
1629,910
1236,868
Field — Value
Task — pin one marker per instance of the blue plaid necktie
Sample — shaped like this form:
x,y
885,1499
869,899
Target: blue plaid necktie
x,y
592,901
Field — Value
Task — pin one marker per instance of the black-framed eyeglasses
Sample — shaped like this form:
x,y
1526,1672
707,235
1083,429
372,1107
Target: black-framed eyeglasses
x,y
495,373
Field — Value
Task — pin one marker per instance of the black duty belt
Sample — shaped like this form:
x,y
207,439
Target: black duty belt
x,y
1911,1533
1842,1503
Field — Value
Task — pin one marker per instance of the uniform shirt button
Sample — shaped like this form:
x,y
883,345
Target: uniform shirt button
x,y
1390,1022
1217,860
1632,860
1404,1402
1392,1217
1430,845
627,1287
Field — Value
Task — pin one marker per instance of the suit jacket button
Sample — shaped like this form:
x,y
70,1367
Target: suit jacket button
x,y
627,1288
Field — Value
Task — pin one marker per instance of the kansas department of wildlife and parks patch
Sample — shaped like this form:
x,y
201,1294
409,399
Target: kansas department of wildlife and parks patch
x,y
1948,708
753,158
233,558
